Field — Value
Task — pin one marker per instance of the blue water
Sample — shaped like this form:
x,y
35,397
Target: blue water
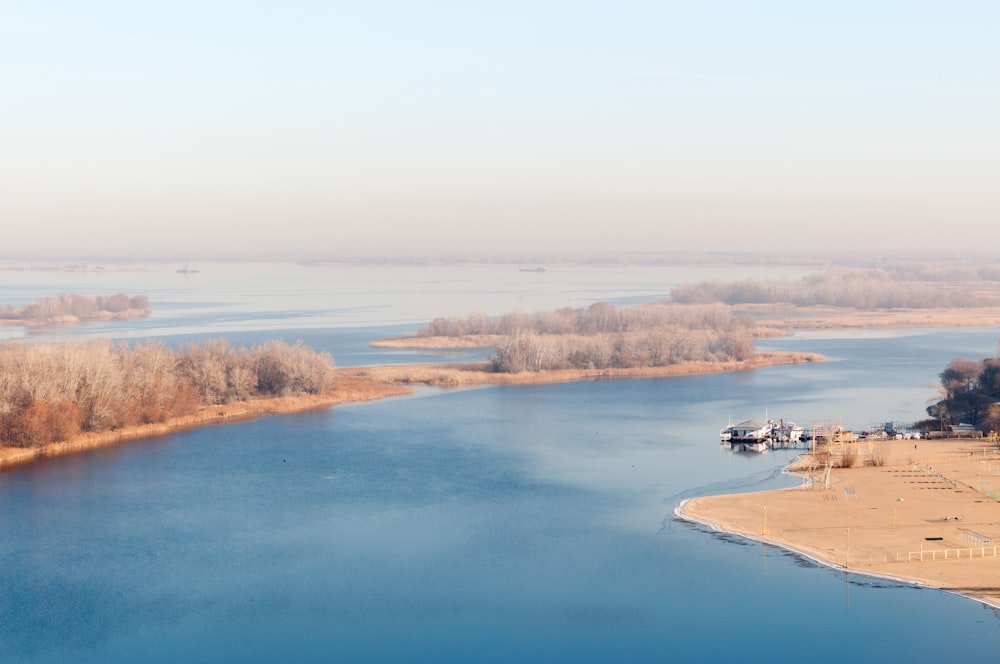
x,y
496,524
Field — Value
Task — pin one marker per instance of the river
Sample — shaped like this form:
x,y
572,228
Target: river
x,y
493,524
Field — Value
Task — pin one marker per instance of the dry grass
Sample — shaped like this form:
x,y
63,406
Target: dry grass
x,y
439,343
480,373
776,319
348,389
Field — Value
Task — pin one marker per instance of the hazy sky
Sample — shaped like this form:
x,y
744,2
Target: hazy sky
x,y
355,127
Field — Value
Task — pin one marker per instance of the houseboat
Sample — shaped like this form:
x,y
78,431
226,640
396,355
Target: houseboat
x,y
760,435
751,435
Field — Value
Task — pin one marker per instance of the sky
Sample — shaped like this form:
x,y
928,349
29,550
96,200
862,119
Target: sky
x,y
312,128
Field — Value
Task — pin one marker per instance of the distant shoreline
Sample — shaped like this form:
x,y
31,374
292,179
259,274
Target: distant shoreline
x,y
128,314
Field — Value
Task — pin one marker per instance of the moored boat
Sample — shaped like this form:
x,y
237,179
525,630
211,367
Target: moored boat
x,y
760,435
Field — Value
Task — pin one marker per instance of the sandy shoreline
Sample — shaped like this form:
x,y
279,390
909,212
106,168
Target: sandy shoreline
x,y
929,515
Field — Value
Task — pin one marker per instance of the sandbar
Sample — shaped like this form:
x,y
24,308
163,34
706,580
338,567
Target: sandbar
x,y
928,514
456,374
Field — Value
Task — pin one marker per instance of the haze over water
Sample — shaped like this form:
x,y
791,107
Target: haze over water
x,y
529,523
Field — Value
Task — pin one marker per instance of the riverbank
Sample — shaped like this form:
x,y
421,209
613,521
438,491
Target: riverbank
x,y
348,389
370,383
928,515
479,373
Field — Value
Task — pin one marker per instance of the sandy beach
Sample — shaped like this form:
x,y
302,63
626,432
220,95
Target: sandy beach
x,y
929,514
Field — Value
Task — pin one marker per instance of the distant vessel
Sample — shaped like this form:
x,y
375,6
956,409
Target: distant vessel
x,y
540,268
186,270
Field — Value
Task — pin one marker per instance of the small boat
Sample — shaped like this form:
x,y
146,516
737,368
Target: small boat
x,y
787,433
726,434
540,268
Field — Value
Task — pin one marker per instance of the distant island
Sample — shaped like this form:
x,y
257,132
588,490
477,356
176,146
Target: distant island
x,y
74,308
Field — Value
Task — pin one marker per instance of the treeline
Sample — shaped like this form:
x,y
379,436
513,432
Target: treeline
x,y
861,289
50,392
79,307
598,318
970,394
604,336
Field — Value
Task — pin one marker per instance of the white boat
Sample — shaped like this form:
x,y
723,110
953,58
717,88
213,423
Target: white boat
x,y
726,434
760,435
750,431
751,435
786,432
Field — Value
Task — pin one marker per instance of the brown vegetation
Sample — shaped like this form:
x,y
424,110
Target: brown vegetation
x,y
780,319
602,336
74,308
481,373
345,390
51,392
439,342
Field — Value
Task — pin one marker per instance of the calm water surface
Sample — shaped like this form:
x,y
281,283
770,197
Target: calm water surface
x,y
226,298
492,524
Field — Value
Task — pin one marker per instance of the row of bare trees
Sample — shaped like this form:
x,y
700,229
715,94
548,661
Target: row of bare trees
x,y
861,289
605,336
598,318
81,307
652,348
49,392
